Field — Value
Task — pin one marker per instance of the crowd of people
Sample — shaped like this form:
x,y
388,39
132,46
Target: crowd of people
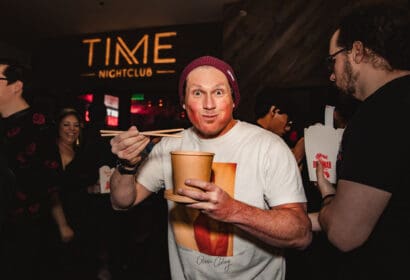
x,y
55,221
260,217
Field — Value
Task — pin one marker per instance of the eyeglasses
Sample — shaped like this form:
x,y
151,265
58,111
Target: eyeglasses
x,y
289,124
330,59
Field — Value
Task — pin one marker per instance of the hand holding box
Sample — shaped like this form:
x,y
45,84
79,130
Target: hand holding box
x,y
322,144
105,175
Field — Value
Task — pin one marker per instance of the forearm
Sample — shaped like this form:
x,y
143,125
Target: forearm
x,y
323,215
57,211
281,227
314,219
123,190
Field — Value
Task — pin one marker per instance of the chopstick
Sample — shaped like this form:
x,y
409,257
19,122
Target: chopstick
x,y
158,133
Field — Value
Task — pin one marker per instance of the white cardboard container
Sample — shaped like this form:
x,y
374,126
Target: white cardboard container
x,y
322,144
105,173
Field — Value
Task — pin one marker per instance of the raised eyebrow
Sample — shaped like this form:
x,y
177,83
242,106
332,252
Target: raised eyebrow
x,y
195,88
221,86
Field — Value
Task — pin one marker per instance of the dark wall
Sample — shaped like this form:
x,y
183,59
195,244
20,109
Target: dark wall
x,y
60,64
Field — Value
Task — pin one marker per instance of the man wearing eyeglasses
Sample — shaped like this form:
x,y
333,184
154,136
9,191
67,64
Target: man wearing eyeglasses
x,y
25,234
367,215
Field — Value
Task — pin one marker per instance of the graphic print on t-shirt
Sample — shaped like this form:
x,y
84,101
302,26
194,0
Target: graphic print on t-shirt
x,y
196,231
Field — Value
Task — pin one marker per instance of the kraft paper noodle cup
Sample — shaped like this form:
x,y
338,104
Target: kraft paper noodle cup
x,y
190,164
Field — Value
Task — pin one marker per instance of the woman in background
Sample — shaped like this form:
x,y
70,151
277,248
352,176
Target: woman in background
x,y
72,213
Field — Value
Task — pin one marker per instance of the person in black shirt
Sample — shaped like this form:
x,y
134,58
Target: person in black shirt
x,y
367,215
26,251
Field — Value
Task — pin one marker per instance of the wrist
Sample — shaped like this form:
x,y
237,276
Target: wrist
x,y
124,167
327,198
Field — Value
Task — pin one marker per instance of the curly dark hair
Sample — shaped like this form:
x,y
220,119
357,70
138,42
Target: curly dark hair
x,y
383,29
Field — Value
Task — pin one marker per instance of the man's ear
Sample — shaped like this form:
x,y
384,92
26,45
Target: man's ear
x,y
272,110
358,52
17,87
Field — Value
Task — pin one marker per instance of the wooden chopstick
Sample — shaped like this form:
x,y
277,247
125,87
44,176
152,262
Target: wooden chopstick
x,y
151,131
164,130
145,134
162,134
159,133
111,131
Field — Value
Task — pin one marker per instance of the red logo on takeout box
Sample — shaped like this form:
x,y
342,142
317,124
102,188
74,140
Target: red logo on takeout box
x,y
325,163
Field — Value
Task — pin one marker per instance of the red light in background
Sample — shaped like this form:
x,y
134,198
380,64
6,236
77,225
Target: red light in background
x,y
87,116
88,97
136,109
111,101
293,136
112,121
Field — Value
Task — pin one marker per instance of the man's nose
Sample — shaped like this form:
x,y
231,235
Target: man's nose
x,y
209,101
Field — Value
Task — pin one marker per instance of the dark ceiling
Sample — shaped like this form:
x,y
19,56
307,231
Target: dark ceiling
x,y
282,43
276,43
25,21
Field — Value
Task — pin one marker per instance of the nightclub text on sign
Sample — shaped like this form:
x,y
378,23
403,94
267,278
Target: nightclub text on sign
x,y
112,57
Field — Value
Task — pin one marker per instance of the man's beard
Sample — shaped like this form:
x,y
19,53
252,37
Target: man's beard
x,y
349,80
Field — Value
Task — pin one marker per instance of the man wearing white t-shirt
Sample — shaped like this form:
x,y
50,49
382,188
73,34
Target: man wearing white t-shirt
x,y
255,204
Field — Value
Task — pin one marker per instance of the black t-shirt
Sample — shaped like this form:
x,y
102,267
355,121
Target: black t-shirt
x,y
375,152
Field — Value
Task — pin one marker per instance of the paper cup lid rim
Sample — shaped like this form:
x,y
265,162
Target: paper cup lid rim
x,y
192,153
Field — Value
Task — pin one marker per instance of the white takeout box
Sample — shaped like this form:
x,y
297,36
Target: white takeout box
x,y
105,175
322,144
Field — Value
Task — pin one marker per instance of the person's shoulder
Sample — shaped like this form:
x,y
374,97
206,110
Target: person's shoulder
x,y
255,130
243,125
42,125
38,119
257,136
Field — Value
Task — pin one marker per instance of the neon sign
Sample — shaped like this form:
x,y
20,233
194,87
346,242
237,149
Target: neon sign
x,y
113,57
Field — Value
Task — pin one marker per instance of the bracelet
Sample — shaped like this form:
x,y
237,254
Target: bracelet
x,y
326,197
125,168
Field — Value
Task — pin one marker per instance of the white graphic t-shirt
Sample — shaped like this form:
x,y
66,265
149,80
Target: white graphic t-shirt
x,y
252,165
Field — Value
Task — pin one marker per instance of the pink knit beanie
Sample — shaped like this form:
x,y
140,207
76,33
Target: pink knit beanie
x,y
214,62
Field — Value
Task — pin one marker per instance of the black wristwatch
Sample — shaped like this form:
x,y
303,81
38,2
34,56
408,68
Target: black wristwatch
x,y
125,168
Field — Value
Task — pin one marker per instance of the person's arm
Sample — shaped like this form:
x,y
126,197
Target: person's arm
x,y
299,150
66,232
314,219
50,168
282,226
124,190
350,216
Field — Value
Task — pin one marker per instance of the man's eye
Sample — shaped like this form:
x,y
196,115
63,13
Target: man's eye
x,y
197,93
219,92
